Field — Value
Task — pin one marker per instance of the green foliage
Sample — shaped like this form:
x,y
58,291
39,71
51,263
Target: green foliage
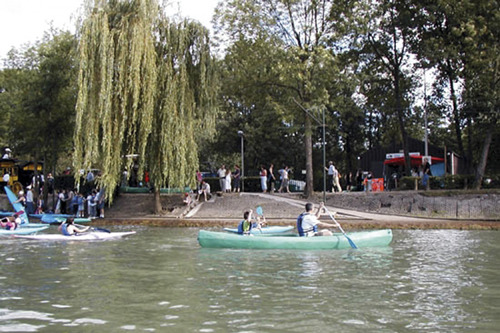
x,y
146,88
39,97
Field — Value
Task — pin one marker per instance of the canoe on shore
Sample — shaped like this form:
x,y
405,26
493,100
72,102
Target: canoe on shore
x,y
23,231
88,236
362,239
276,229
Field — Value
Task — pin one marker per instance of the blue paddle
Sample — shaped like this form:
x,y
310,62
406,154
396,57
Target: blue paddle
x,y
338,225
259,212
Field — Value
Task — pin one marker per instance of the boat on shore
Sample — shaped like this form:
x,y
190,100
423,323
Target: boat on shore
x,y
87,236
212,239
23,230
276,229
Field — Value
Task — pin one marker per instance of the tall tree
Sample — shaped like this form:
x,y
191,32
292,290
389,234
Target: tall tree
x,y
301,32
388,34
146,87
39,95
186,107
461,40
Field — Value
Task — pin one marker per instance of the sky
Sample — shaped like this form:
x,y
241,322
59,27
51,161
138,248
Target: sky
x,y
25,21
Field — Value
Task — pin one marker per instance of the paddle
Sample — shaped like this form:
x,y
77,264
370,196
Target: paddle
x,y
93,228
259,212
338,225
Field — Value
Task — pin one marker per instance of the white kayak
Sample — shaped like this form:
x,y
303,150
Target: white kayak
x,y
23,230
87,236
276,229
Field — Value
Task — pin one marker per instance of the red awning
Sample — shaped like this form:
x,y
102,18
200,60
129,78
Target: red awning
x,y
415,160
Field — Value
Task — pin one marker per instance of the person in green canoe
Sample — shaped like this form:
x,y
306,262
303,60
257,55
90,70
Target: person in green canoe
x,y
69,228
308,223
245,225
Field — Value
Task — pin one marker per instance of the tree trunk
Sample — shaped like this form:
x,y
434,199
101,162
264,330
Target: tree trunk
x,y
483,160
456,116
309,160
400,114
157,201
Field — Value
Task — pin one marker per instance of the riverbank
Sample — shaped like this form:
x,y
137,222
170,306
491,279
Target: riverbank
x,y
355,210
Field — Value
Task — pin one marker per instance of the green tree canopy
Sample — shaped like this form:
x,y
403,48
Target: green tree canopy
x,y
147,88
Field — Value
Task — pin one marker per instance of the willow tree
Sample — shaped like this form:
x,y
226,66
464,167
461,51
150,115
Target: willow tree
x,y
185,103
144,86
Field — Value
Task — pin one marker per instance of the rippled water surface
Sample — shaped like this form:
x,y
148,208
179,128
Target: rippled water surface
x,y
160,280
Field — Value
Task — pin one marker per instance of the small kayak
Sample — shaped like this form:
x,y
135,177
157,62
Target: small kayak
x,y
48,215
55,219
276,229
17,205
6,214
32,225
337,241
87,236
22,231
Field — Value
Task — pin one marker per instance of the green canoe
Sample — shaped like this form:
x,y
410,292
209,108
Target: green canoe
x,y
337,241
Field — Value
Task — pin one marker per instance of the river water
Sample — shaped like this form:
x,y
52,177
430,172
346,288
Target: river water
x,y
160,280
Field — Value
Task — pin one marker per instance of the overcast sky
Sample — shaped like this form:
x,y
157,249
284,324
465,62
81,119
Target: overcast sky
x,y
25,21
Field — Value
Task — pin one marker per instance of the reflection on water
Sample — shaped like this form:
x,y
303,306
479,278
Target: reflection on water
x,y
159,280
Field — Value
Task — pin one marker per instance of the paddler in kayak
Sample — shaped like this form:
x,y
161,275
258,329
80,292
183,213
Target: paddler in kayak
x,y
308,223
69,228
245,225
11,222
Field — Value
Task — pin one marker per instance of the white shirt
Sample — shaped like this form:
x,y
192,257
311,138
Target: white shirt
x,y
221,173
29,196
308,222
331,170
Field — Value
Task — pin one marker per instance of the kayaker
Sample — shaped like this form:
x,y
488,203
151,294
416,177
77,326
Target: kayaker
x,y
69,228
11,222
245,225
308,223
260,222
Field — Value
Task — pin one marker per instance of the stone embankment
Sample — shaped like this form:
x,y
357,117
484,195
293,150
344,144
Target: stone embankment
x,y
432,204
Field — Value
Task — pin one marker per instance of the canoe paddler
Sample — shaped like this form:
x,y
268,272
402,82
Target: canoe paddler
x,y
308,223
11,222
69,228
245,225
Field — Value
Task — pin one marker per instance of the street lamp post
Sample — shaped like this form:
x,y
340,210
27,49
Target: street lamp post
x,y
242,136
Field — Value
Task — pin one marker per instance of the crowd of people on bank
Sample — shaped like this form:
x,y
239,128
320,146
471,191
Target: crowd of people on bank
x,y
66,201
279,181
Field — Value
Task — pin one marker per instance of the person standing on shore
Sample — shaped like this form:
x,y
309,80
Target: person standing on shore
x,y
222,178
426,170
329,183
284,180
263,178
271,179
237,178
